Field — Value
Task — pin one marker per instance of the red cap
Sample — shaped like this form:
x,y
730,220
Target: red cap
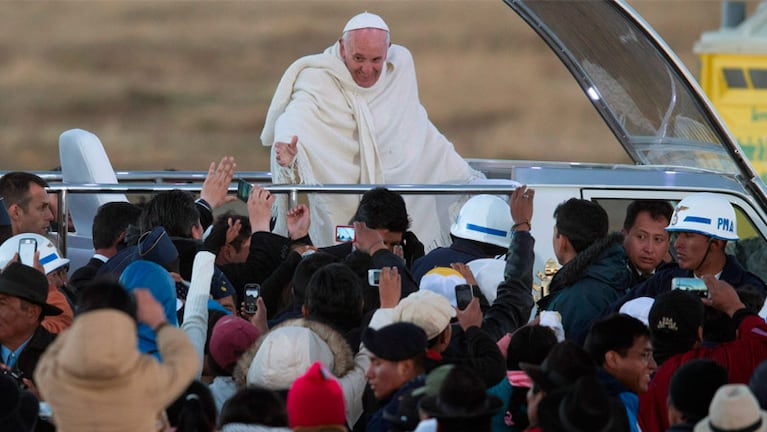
x,y
231,337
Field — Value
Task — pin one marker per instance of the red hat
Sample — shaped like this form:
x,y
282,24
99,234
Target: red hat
x,y
231,337
316,399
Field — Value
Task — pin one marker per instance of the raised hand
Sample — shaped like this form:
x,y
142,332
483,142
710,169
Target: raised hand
x,y
286,152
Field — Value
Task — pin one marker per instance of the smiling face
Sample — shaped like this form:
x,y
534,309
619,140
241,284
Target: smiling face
x,y
633,369
647,242
364,53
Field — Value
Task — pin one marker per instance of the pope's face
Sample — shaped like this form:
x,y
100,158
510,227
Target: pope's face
x,y
364,53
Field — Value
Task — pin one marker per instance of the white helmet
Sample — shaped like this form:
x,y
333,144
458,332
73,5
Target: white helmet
x,y
50,257
705,213
486,219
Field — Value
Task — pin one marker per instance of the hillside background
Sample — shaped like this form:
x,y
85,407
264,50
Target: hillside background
x,y
177,84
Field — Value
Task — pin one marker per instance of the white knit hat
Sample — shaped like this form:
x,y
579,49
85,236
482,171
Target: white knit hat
x,y
426,309
366,20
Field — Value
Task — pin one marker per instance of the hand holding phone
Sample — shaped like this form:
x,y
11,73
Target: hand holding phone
x,y
693,285
243,190
345,233
463,295
27,248
251,295
374,277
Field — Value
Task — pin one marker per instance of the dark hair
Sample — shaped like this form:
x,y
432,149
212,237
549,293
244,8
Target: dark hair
x,y
14,187
334,296
614,333
529,344
194,410
111,220
173,210
217,237
381,208
583,222
254,405
693,385
306,269
657,209
104,293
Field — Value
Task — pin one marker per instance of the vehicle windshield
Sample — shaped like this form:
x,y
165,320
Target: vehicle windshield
x,y
637,89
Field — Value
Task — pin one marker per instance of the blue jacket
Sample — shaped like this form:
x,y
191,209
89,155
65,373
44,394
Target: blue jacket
x,y
146,274
630,400
732,273
587,285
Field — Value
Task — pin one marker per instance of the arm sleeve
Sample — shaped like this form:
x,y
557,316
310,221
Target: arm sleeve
x,y
55,324
514,302
195,323
178,368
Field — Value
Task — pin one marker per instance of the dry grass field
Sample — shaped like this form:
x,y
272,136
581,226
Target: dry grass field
x,y
176,84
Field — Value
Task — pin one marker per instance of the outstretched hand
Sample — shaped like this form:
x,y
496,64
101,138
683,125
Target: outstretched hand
x,y
298,221
286,152
521,205
389,287
260,208
216,185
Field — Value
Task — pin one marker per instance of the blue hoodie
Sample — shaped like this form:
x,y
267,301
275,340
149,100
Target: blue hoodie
x,y
146,274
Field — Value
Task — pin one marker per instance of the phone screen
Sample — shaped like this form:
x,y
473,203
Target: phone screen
x,y
690,284
251,294
27,248
463,295
344,233
243,190
374,277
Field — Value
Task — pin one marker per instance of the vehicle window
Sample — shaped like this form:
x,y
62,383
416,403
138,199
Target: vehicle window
x,y
758,78
735,77
750,250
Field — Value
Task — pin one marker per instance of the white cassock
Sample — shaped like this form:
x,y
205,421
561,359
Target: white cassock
x,y
350,135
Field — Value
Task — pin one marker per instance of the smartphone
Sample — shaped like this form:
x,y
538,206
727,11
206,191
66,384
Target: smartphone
x,y
463,295
27,248
251,294
243,190
694,285
374,277
344,233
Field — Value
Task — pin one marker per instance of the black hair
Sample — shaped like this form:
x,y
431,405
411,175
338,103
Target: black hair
x,y
334,296
14,187
529,344
111,220
693,385
104,293
381,208
582,221
217,237
173,210
617,333
657,209
306,269
254,405
194,410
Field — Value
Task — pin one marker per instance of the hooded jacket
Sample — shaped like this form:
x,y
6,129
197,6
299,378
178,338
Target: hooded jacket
x,y
586,286
146,274
95,379
289,356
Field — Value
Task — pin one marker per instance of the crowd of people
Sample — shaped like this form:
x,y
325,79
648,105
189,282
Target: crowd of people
x,y
162,328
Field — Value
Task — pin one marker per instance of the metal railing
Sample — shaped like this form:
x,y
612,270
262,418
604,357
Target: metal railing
x,y
63,190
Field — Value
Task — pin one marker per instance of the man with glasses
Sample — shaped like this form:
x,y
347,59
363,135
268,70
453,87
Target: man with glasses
x,y
620,346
